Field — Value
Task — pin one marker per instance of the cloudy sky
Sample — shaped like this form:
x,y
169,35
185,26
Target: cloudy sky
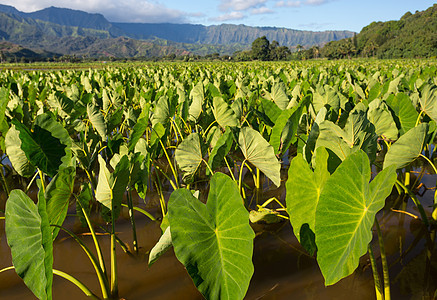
x,y
296,14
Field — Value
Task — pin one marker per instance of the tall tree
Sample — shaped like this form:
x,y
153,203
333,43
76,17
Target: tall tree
x,y
261,49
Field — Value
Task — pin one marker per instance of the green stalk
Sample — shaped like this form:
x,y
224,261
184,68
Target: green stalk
x,y
5,184
168,178
407,179
161,196
114,279
416,202
93,235
429,161
178,129
41,176
209,168
147,214
77,283
31,181
418,118
229,168
7,269
387,295
240,178
103,281
132,219
376,279
169,162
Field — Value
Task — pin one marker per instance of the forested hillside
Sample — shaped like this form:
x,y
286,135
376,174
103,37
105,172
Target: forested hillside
x,y
414,35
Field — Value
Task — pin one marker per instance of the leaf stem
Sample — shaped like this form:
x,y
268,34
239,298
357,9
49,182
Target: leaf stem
x,y
430,162
376,279
387,295
416,202
144,212
76,282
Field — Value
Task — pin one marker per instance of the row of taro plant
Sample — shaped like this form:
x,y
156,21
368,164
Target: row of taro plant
x,y
119,132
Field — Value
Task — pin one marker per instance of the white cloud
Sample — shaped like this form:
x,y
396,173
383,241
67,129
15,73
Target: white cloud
x,y
315,2
116,11
235,15
315,26
297,3
261,11
288,4
240,5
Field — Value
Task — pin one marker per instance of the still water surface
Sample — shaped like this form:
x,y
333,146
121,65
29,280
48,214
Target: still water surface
x,y
282,268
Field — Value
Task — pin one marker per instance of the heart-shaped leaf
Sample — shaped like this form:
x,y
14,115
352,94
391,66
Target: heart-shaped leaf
x,y
260,153
213,241
189,155
224,115
221,149
16,155
111,186
346,212
97,120
303,190
404,110
197,96
161,246
30,239
57,195
407,148
358,133
381,118
428,101
47,147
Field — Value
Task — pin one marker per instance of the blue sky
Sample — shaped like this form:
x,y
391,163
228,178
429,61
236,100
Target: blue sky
x,y
296,14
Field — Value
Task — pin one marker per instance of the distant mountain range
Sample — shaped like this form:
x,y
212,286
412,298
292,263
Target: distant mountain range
x,y
67,31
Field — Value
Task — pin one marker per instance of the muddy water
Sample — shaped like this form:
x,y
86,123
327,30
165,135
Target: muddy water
x,y
282,269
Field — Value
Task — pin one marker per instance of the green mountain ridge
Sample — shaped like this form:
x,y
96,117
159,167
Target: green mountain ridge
x,y
58,29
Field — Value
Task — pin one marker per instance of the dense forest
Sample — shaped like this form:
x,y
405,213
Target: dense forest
x,y
413,36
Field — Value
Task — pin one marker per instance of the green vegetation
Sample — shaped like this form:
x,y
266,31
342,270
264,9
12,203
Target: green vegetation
x,y
221,134
413,36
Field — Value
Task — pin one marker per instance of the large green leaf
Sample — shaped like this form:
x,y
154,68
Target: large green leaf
x,y
97,120
380,116
57,196
161,246
16,155
358,133
189,155
279,96
303,190
404,111
48,146
326,96
260,153
428,101
345,215
407,148
213,241
224,115
270,110
111,186
4,99
29,237
221,149
139,127
284,131
163,111
197,96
